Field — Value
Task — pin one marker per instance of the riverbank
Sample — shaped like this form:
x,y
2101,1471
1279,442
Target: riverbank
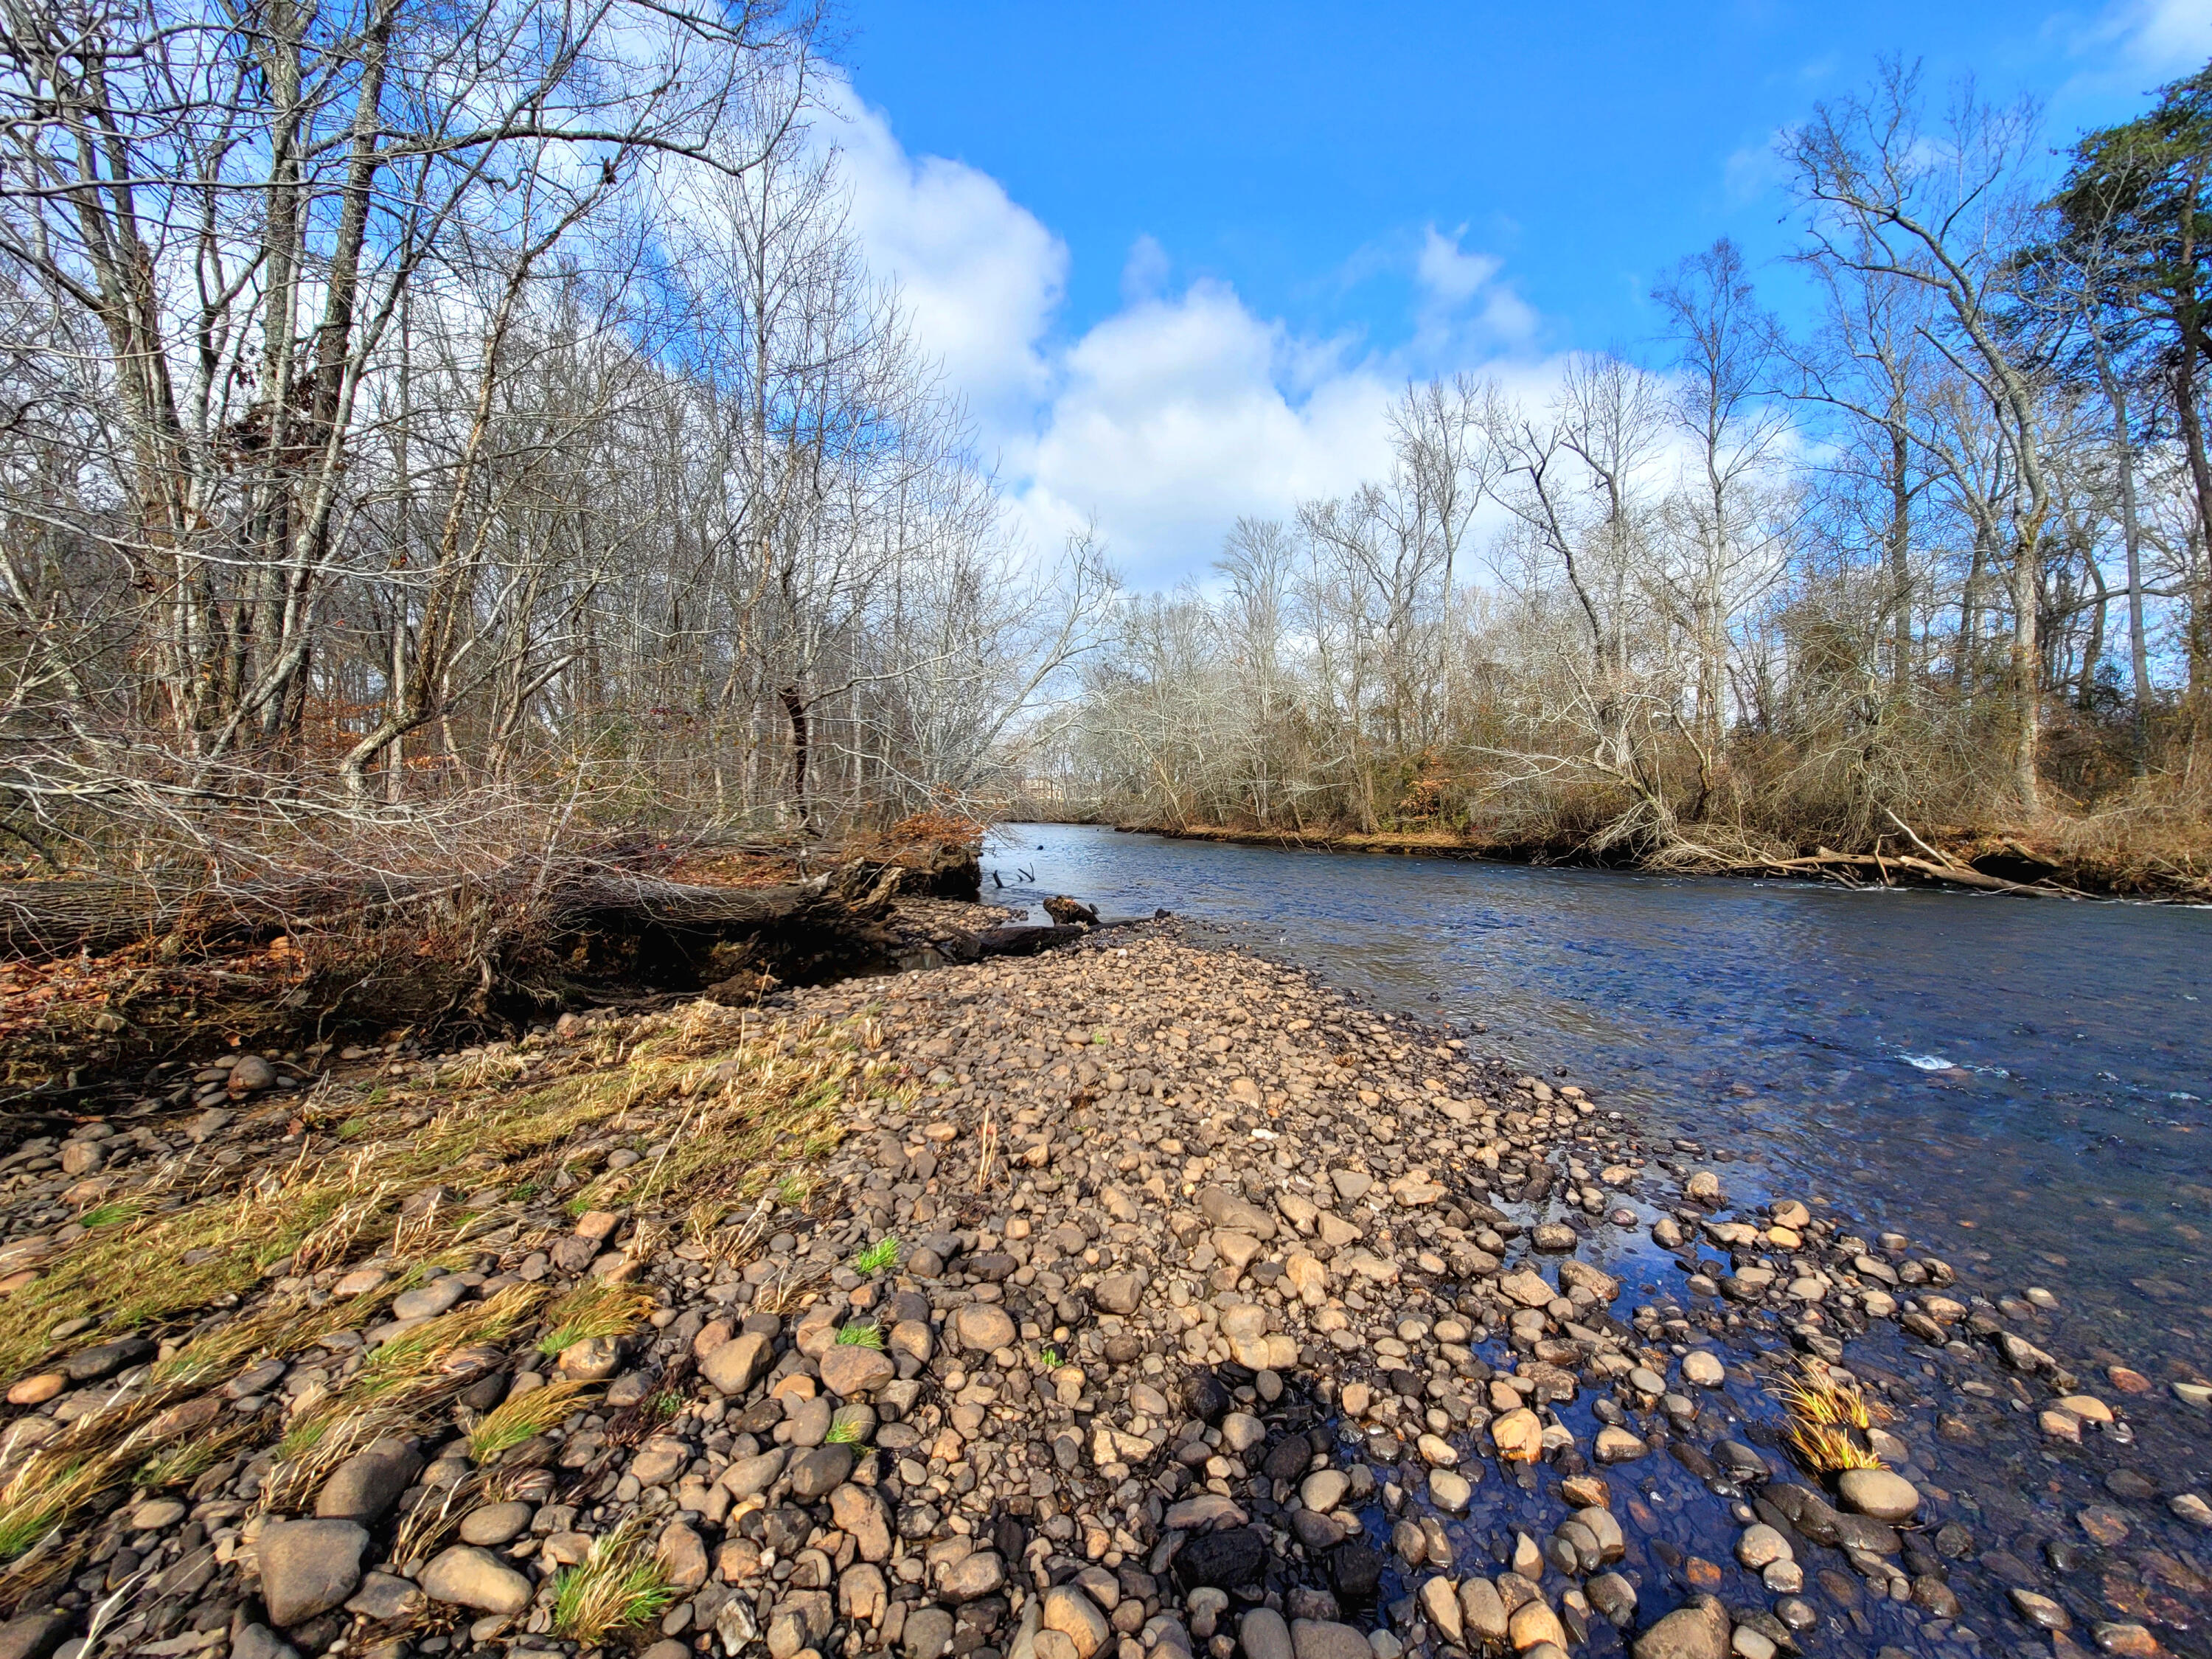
x,y
1135,1298
1992,861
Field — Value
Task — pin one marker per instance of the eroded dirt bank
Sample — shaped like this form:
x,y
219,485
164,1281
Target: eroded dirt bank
x,y
1135,1299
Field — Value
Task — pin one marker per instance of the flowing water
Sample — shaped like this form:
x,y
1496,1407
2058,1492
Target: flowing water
x,y
2022,1087
2022,1083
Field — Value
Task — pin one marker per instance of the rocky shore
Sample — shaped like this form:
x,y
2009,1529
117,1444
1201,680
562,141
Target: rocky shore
x,y
1135,1300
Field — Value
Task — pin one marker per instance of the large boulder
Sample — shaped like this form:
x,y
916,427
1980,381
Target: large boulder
x,y
309,1567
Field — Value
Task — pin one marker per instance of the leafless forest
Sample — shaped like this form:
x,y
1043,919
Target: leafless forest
x,y
429,430
428,427
1937,563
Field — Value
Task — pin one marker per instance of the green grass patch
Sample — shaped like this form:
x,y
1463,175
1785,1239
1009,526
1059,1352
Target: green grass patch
x,y
879,1255
523,1418
590,1310
618,1586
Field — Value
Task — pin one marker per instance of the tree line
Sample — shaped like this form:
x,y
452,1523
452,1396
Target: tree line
x,y
406,403
1935,557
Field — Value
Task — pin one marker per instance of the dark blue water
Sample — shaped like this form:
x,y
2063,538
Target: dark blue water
x,y
2019,1084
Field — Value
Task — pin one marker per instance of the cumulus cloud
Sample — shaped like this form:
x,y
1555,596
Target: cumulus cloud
x,y
981,277
1165,420
1172,419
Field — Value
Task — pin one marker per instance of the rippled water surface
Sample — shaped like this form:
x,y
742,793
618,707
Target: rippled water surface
x,y
2021,1084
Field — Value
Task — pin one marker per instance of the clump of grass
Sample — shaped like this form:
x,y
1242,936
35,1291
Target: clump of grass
x,y
186,1463
32,1508
879,1255
617,1586
1049,1358
410,1364
337,1200
593,1309
868,1335
1829,1449
523,1418
1827,1418
842,1434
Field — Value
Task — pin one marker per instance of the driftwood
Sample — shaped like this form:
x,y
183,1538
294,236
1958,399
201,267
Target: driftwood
x,y
1960,875
1027,938
598,890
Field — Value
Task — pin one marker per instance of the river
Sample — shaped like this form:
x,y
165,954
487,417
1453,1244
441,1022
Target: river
x,y
2024,1085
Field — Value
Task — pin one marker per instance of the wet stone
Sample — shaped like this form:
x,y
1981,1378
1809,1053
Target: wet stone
x,y
1223,1560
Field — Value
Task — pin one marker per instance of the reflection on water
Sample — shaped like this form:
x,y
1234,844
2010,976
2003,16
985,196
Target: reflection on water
x,y
2018,1084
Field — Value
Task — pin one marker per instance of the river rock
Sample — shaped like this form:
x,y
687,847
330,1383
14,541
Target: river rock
x,y
1519,1436
1076,1616
1619,1445
369,1482
1224,1560
463,1574
32,1635
1322,1638
850,1369
982,1327
1116,1293
1528,1289
977,1575
1440,1604
1878,1493
928,1634
1532,1622
255,1641
738,1363
1324,1489
250,1074
1699,1632
385,1596
429,1301
309,1567
1703,1368
816,1473
1264,1635
1761,1547
494,1524
1483,1612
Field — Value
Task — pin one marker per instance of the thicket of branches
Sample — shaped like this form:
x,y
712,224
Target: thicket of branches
x,y
1941,558
406,404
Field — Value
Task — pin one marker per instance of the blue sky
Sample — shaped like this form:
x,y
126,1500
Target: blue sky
x,y
1177,257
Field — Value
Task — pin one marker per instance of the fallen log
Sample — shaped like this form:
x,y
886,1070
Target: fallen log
x,y
1025,939
1959,875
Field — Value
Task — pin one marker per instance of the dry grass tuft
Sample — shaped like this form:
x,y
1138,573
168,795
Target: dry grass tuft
x,y
1827,1415
757,1106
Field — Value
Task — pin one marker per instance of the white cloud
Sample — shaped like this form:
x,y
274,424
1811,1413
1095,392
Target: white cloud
x,y
1167,420
1449,272
1755,169
2161,36
1145,273
1465,313
981,276
1172,420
